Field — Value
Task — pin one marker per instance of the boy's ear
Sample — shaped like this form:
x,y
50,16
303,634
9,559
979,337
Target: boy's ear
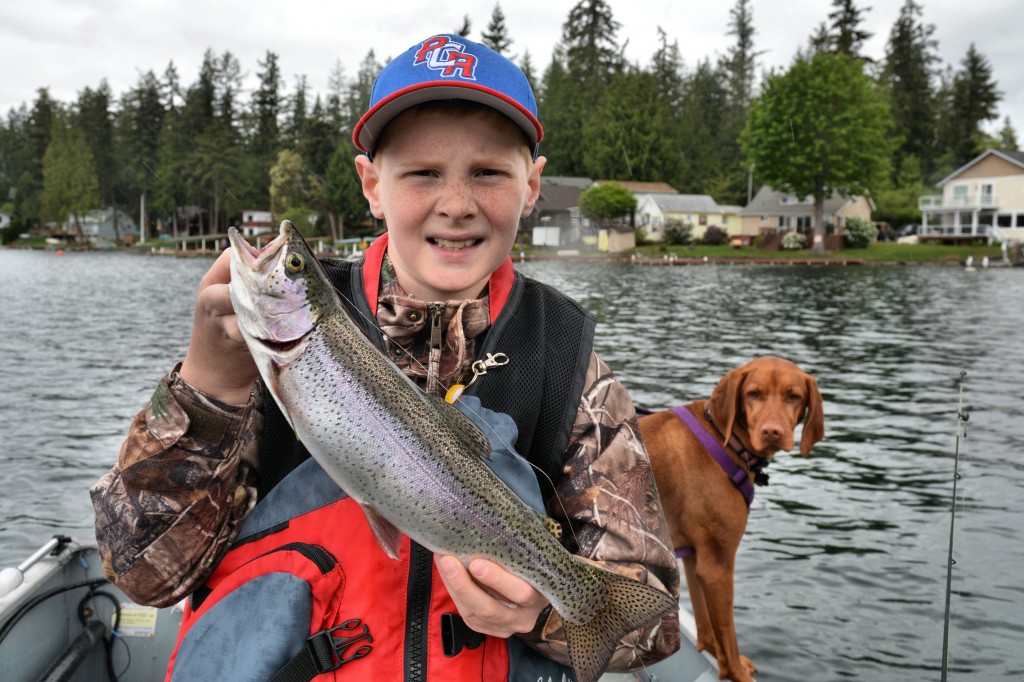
x,y
370,181
533,181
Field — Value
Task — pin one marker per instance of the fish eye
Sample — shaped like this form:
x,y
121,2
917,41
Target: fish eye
x,y
294,262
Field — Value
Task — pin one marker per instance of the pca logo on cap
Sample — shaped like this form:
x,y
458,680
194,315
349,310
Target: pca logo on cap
x,y
446,56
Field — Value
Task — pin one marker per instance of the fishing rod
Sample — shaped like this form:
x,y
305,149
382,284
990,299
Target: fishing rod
x,y
961,431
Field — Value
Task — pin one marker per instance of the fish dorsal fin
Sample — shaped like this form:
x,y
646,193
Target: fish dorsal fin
x,y
472,436
554,527
388,537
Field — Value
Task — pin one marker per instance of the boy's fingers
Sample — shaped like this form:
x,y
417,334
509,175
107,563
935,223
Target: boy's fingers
x,y
504,584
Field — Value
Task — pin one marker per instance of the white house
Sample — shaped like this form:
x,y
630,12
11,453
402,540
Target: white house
x,y
5,219
699,210
106,225
984,198
256,222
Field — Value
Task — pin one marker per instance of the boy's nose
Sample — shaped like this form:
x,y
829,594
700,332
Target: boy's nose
x,y
456,201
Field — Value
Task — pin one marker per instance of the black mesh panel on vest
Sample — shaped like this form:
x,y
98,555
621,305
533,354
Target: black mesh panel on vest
x,y
548,339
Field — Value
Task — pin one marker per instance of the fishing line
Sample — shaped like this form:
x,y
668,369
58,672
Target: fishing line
x,y
961,432
507,445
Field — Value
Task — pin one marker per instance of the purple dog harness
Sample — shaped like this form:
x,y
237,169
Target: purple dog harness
x,y
734,471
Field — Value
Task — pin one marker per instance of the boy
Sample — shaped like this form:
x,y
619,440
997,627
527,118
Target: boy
x,y
211,479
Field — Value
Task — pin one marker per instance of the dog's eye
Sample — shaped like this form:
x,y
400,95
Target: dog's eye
x,y
755,394
794,398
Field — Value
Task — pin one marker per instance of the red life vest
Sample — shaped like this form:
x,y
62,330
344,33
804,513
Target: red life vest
x,y
345,591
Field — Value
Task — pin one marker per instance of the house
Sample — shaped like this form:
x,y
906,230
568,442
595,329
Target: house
x,y
616,238
256,222
770,211
698,210
982,199
106,226
556,220
5,219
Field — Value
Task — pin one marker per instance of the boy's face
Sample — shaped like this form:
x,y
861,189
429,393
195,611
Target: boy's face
x,y
452,189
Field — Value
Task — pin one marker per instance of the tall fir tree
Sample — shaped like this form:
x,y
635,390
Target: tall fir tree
x,y
95,120
971,99
908,76
70,187
845,30
495,36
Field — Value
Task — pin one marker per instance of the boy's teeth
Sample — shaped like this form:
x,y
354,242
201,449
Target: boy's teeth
x,y
446,244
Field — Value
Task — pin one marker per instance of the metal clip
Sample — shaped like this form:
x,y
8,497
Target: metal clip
x,y
492,360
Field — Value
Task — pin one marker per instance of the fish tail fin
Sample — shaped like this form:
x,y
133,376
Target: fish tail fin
x,y
630,606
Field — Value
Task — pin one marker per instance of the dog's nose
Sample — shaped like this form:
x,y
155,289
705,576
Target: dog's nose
x,y
772,432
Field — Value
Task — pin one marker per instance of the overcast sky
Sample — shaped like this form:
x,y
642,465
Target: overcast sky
x,y
67,45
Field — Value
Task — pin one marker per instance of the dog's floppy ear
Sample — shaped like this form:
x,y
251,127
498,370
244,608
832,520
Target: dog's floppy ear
x,y
814,421
725,400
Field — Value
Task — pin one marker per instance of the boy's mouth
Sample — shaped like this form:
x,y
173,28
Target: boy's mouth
x,y
454,245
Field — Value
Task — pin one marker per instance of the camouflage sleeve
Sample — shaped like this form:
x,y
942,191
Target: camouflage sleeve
x,y
609,493
176,498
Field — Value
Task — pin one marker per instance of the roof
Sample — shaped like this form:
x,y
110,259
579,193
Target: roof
x,y
565,180
769,202
1013,156
558,198
643,187
685,203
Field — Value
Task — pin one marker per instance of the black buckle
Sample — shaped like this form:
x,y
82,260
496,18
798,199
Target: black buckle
x,y
455,635
328,648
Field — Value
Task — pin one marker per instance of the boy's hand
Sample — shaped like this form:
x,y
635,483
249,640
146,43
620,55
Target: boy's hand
x,y
218,361
491,600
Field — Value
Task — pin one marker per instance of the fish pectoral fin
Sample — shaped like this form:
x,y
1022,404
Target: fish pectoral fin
x,y
388,537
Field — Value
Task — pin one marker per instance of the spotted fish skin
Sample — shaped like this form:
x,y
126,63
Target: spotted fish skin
x,y
412,462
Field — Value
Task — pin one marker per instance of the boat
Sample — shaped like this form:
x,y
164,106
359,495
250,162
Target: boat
x,y
60,619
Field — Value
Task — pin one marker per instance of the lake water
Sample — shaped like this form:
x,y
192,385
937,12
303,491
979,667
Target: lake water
x,y
842,572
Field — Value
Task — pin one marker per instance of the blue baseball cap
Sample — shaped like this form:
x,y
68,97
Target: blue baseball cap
x,y
445,67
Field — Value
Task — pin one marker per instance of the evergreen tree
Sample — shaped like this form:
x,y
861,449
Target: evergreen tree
x,y
592,55
496,35
526,66
908,76
1007,138
70,187
38,127
631,135
820,128
562,117
266,113
344,191
847,36
729,184
740,60
972,99
467,27
95,120
668,70
701,133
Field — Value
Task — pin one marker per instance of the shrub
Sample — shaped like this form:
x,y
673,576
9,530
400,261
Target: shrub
x,y
641,236
859,233
714,236
678,233
793,241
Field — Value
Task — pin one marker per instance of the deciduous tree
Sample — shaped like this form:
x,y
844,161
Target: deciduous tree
x,y
820,128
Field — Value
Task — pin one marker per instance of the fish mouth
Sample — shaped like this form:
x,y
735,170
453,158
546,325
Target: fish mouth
x,y
283,347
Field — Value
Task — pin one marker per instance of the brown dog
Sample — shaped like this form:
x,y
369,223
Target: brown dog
x,y
753,412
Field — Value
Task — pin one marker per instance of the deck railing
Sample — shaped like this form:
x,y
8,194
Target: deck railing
x,y
954,231
938,202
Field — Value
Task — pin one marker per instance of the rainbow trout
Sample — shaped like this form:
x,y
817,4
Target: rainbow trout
x,y
411,461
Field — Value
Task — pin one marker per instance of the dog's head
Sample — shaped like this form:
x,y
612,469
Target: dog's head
x,y
763,401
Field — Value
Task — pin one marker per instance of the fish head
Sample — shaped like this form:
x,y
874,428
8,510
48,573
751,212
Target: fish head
x,y
279,293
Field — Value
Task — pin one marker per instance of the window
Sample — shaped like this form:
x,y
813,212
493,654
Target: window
x,y
987,194
702,219
1004,220
960,195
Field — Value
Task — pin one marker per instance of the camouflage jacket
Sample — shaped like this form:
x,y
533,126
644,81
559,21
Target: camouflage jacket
x,y
187,472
